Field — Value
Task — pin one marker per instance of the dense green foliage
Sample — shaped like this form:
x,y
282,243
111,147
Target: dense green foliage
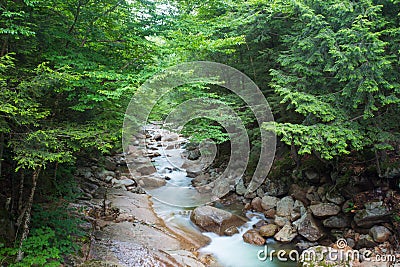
x,y
329,69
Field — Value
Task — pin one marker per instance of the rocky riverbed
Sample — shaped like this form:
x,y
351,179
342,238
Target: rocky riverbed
x,y
125,229
128,231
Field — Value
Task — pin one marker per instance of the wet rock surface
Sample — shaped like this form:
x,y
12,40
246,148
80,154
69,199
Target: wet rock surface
x,y
138,237
215,220
253,237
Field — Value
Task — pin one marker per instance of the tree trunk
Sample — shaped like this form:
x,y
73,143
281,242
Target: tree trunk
x,y
21,191
27,220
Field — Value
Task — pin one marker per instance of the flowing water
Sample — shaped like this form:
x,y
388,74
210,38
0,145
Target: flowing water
x,y
230,251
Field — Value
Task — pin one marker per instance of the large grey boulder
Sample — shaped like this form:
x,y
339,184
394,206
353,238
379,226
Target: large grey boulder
x,y
168,137
335,198
281,221
126,182
193,168
146,169
268,202
151,182
339,221
241,188
284,207
373,214
325,209
380,234
286,234
215,220
309,228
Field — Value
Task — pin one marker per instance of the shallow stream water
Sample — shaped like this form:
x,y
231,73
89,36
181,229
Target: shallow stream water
x,y
230,251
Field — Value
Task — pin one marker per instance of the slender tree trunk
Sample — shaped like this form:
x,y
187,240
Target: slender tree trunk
x,y
27,220
21,191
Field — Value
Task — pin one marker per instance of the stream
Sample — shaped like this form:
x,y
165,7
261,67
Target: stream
x,y
229,251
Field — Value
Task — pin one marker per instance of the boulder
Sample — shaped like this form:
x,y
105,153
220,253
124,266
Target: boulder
x,y
215,220
298,210
284,207
325,209
194,154
335,198
380,234
268,230
201,180
270,213
286,234
126,182
373,214
146,169
299,193
308,227
253,237
110,164
103,174
241,188
256,204
230,231
152,182
338,221
365,241
87,174
259,224
193,168
108,179
281,221
168,137
157,137
268,202
275,188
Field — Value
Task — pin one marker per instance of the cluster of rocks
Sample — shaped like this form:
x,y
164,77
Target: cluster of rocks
x,y
109,175
132,171
313,216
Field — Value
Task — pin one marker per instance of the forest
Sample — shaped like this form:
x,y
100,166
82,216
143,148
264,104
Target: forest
x,y
330,71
